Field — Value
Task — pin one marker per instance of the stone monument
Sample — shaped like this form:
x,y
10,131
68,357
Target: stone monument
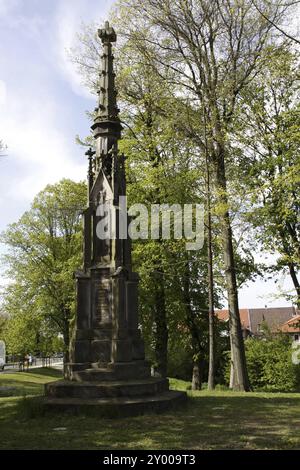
x,y
107,361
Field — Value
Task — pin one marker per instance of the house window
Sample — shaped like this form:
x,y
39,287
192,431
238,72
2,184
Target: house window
x,y
296,338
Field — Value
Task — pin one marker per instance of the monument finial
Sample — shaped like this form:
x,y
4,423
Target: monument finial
x,y
107,127
107,34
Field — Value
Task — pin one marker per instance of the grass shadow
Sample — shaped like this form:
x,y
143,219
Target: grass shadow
x,y
217,420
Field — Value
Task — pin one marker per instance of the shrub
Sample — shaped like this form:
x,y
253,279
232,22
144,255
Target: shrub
x,y
270,364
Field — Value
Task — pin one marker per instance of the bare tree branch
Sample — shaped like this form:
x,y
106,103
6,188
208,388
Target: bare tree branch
x,y
292,38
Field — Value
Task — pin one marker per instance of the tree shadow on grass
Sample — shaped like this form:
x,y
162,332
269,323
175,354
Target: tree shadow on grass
x,y
214,423
206,422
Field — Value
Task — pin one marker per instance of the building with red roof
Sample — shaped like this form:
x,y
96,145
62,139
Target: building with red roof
x,y
278,319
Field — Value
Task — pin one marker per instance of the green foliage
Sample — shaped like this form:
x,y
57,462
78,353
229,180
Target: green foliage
x,y
270,163
161,168
163,143
20,334
44,250
177,384
270,364
3,321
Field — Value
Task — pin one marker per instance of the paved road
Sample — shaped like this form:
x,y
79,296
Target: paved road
x,y
11,368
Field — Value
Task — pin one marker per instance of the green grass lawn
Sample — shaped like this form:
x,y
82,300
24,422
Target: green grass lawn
x,y
218,420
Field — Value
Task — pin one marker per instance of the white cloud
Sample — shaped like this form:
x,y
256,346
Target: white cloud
x,y
40,143
66,31
270,291
11,18
7,6
2,92
69,21
35,141
267,293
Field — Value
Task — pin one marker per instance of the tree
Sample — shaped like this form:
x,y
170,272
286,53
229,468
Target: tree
x,y
44,250
159,171
178,62
270,132
214,49
3,320
27,329
264,14
211,285
203,44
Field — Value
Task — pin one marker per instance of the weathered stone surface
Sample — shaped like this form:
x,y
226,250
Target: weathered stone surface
x,y
122,388
82,351
119,406
100,351
134,370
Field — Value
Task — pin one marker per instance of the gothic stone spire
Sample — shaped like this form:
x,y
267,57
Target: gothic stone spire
x,y
106,175
107,127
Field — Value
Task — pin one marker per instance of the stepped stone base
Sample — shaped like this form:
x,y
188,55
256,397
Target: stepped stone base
x,y
120,390
119,406
130,388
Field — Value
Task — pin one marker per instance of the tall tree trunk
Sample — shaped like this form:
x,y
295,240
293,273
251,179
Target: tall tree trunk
x,y
197,348
240,375
66,338
67,348
289,251
231,379
160,319
197,375
295,282
211,313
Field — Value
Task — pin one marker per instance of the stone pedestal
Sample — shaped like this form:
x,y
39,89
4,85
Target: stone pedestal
x,y
106,330
108,367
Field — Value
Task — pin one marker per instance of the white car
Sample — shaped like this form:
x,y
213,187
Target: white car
x,y
2,355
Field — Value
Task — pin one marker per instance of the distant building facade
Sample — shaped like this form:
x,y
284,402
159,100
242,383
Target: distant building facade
x,y
280,319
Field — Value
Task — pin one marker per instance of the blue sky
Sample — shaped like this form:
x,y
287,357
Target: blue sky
x,y
43,106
